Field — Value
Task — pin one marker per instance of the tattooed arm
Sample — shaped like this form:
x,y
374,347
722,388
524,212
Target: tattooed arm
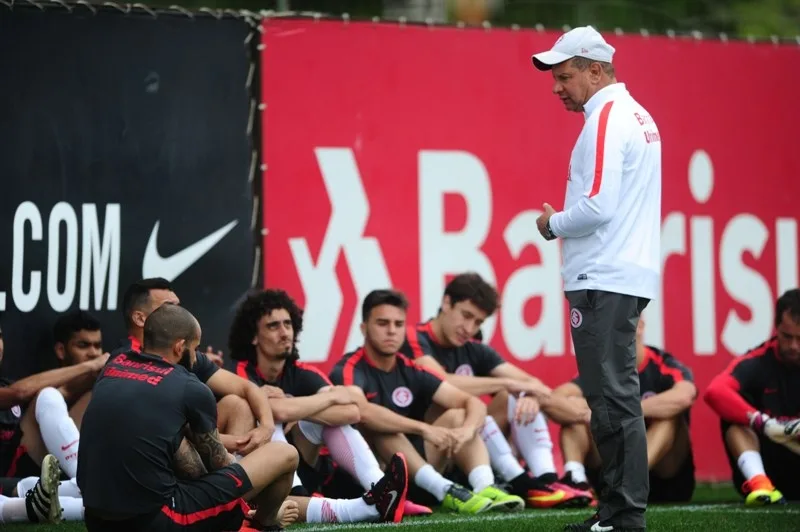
x,y
200,408
188,465
210,450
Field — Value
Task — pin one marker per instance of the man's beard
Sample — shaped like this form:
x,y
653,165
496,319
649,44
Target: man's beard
x,y
186,359
377,349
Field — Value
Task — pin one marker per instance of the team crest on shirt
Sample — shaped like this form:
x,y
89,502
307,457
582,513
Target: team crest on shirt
x,y
465,370
402,396
575,318
16,410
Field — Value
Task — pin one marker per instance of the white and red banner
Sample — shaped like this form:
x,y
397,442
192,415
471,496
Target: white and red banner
x,y
398,156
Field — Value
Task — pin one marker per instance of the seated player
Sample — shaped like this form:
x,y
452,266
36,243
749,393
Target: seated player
x,y
141,408
263,339
42,413
235,395
668,392
399,393
447,344
757,398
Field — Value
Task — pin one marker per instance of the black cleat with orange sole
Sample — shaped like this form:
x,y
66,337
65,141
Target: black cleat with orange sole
x,y
389,493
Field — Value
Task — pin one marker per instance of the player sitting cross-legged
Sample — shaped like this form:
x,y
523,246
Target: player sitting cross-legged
x,y
757,398
446,344
263,339
237,399
399,393
40,415
668,392
141,409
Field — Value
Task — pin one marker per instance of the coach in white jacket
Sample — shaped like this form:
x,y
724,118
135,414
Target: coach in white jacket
x,y
610,232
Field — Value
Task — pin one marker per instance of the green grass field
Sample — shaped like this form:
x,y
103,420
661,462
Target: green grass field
x,y
714,508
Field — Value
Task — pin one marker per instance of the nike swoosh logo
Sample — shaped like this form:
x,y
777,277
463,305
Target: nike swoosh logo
x,y
65,447
393,494
154,265
238,482
371,395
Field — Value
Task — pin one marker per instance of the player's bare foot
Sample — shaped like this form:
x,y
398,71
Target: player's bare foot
x,y
288,513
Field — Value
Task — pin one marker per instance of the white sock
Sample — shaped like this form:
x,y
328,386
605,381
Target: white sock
x,y
348,447
280,436
12,510
59,433
503,460
26,484
533,441
322,510
65,489
70,489
750,464
431,481
578,471
71,508
481,477
312,431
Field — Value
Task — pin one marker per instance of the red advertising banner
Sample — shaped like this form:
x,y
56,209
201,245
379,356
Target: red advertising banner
x,y
399,155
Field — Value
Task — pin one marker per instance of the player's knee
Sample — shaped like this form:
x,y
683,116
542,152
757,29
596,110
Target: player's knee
x,y
739,438
232,403
453,418
50,401
287,455
663,425
234,407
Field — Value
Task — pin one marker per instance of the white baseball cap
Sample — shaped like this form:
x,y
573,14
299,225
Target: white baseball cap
x,y
584,42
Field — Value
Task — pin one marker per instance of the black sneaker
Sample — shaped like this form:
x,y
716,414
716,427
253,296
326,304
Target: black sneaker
x,y
41,502
567,479
389,493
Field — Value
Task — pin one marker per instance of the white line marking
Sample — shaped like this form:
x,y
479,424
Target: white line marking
x,y
422,521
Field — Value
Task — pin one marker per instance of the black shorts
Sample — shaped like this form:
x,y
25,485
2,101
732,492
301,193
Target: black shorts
x,y
209,504
20,464
781,465
451,473
679,488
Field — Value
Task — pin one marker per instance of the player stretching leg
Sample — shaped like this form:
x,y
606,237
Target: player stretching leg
x,y
758,400
667,396
446,344
399,393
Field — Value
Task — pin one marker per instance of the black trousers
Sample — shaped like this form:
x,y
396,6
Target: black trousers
x,y
603,328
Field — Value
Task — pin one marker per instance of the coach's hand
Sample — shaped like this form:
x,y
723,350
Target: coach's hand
x,y
255,439
527,410
216,358
541,221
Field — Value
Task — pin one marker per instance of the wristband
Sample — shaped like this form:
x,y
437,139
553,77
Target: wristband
x,y
550,235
